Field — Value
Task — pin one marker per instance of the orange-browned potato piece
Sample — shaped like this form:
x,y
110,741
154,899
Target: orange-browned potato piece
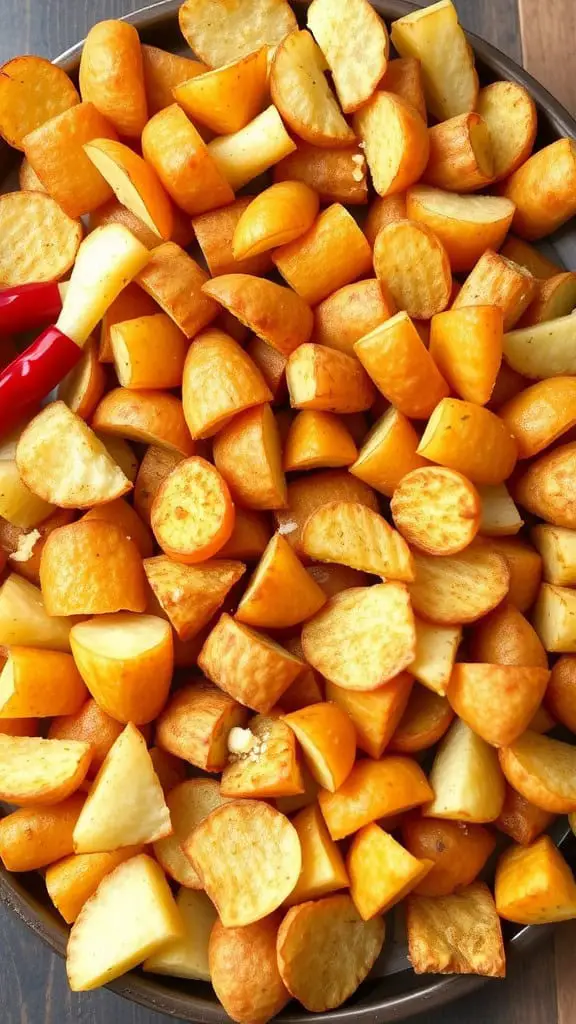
x,y
113,212
32,92
542,190
457,849
403,76
555,299
220,380
510,116
195,725
317,933
248,665
244,970
24,620
401,367
505,637
466,779
383,210
520,819
191,594
301,93
89,725
382,872
497,701
249,537
83,387
174,280
465,225
461,157
425,720
374,713
560,696
273,312
33,837
74,879
148,352
112,75
540,414
466,345
328,380
534,884
525,566
248,857
124,515
355,44
317,440
348,533
541,770
436,650
55,151
323,869
151,417
312,491
437,510
39,240
264,761
456,934
350,313
248,455
456,589
396,141
388,453
547,487
497,281
162,72
277,216
192,515
373,790
214,232
412,261
229,97
39,684
35,771
272,366
468,438
177,152
337,175
131,303
156,465
333,253
280,593
91,567
328,739
346,644
189,803
519,251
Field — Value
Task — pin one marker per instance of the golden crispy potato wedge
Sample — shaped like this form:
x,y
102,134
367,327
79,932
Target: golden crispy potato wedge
x,y
498,281
337,175
388,453
115,86
249,537
163,71
268,767
39,684
188,803
553,614
328,739
74,879
89,725
312,940
466,778
62,460
318,440
187,957
541,770
219,35
373,790
466,345
323,869
457,934
374,713
355,43
214,232
509,113
37,771
32,837
245,154
457,589
542,189
276,216
280,593
436,650
505,637
150,417
348,533
249,859
381,871
301,93
33,91
24,621
412,261
196,723
465,225
520,819
247,452
156,465
327,380
497,701
534,885
134,182
470,439
105,941
174,280
18,505
125,805
276,314
437,510
396,142
425,720
457,851
226,99
191,594
434,37
460,154
547,487
525,567
557,547
345,641
244,970
350,313
312,491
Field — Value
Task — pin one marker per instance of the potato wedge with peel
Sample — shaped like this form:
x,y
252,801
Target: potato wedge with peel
x,y
323,869
188,803
466,779
460,154
458,852
244,970
187,957
542,350
196,723
312,491
437,510
24,621
219,33
542,189
542,770
33,91
37,771
325,950
248,454
498,281
74,879
470,439
388,453
105,940
414,264
134,183
248,857
230,96
345,641
277,216
125,804
248,665
373,790
426,718
301,93
396,142
350,313
191,594
354,41
328,739
534,884
456,934
374,713
382,872
276,314
271,765
466,345
455,589
348,533
327,380
556,298
466,225
434,37
476,690
39,684
61,459
318,440
520,819
510,116
505,637
174,280
546,488
337,175
281,593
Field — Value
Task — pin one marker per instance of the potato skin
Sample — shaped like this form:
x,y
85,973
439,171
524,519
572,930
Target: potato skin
x,y
244,970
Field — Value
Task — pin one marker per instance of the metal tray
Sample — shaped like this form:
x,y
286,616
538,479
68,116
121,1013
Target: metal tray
x,y
393,992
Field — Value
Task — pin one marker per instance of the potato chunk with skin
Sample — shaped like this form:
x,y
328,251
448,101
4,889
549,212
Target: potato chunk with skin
x,y
437,510
458,851
323,870
219,33
247,452
195,725
455,589
413,262
354,42
271,767
457,934
475,690
375,713
351,534
325,379
548,487
396,142
244,970
466,778
510,115
381,871
189,803
280,593
373,790
312,491
38,771
276,314
542,770
534,884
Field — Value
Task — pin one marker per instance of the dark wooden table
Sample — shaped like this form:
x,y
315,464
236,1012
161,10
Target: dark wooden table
x,y
542,988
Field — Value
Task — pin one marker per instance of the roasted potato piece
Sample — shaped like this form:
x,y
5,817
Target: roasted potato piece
x,y
466,778
264,761
189,803
174,280
388,453
457,934
499,516
33,91
510,116
337,175
276,216
541,770
244,970
458,852
33,837
396,142
505,637
323,869
403,76
525,567
204,519
497,281
111,75
245,154
312,491
466,345
39,684
560,697
274,313
436,649
412,261
373,790
89,725
437,510
281,593
228,97
187,957
426,718
318,440
328,380
195,725
191,594
520,819
468,438
355,44
542,190
24,620
476,690
350,313
553,613
381,871
534,885
465,225
328,739
461,157
462,588
36,771
546,488
248,454
219,35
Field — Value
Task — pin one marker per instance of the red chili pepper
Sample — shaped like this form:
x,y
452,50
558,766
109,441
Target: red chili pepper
x,y
34,374
29,305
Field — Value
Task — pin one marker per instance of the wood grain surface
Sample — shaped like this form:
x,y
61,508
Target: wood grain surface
x,y
542,988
